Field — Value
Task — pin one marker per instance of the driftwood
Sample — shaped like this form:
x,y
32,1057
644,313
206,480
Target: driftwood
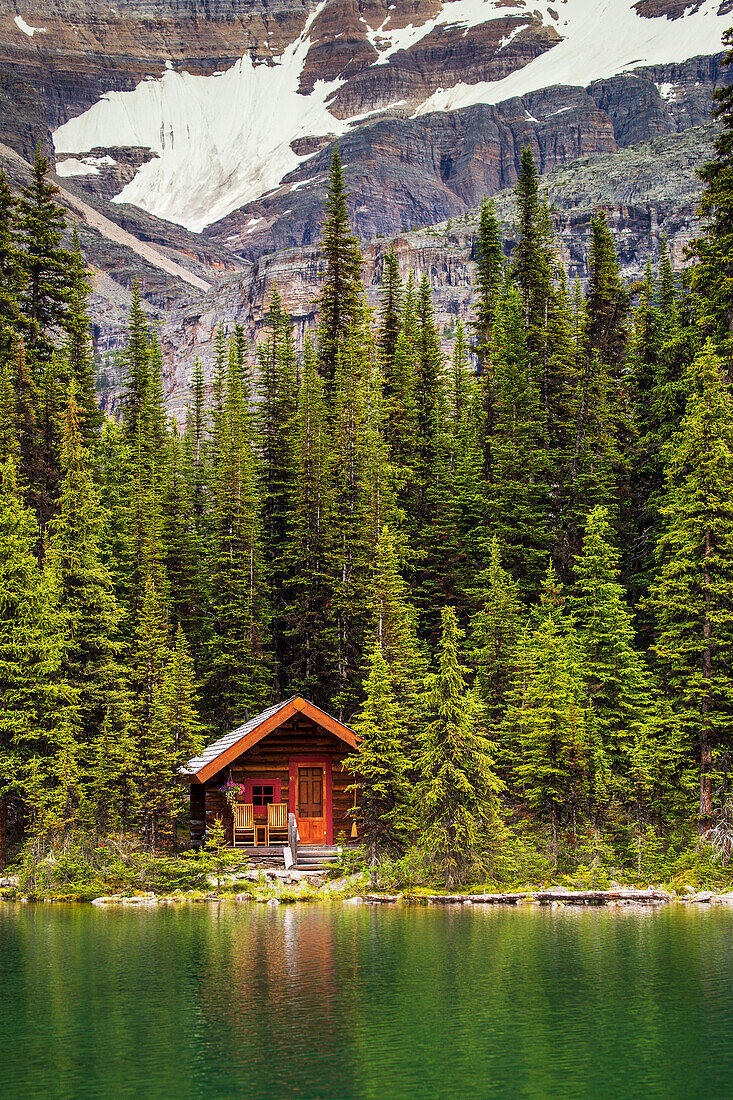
x,y
601,897
617,896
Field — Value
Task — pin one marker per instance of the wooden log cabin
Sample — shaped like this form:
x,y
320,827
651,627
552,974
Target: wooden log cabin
x,y
291,753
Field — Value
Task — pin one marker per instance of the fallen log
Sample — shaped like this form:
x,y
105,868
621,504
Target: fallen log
x,y
601,897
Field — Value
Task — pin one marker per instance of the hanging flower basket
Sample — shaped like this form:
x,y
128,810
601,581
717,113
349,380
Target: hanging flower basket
x,y
232,791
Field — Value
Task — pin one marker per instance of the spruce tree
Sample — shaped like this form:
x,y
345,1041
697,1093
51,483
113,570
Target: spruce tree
x,y
77,355
597,458
495,630
712,275
618,689
309,614
277,424
135,365
85,593
237,647
519,485
488,280
379,765
533,270
606,299
31,647
181,701
395,629
547,721
158,787
340,299
458,791
182,545
48,266
390,317
693,596
354,526
12,322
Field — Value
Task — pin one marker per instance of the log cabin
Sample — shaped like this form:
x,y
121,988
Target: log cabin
x,y
292,753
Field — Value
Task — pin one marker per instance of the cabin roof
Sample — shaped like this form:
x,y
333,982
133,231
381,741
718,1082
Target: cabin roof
x,y
220,753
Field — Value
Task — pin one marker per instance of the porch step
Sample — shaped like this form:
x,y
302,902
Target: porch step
x,y
313,857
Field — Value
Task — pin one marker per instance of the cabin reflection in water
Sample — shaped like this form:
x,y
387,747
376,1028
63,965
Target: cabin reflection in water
x,y
287,760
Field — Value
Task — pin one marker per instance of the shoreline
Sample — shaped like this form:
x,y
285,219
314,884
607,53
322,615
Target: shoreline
x,y
553,898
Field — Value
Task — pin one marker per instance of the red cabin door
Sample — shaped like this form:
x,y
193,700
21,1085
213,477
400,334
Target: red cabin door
x,y
310,806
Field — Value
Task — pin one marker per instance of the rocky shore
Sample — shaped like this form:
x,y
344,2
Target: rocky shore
x,y
274,886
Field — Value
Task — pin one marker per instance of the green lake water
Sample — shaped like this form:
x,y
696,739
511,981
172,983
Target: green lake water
x,y
338,1002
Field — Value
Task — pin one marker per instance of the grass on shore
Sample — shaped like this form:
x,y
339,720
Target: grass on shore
x,y
83,867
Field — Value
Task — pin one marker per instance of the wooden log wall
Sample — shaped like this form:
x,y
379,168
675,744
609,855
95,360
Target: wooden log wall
x,y
269,760
197,816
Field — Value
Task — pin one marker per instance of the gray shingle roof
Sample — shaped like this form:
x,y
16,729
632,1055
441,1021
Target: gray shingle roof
x,y
216,748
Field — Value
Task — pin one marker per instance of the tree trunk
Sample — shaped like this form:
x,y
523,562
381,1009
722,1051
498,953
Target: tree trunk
x,y
3,831
554,844
706,781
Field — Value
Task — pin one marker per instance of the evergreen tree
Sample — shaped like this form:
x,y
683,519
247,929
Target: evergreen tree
x,y
353,528
309,612
618,689
237,648
712,275
693,596
546,718
76,355
533,271
395,630
12,322
495,630
458,791
488,282
596,456
181,701
379,766
48,267
277,423
31,647
606,299
158,787
340,299
519,503
182,544
135,366
85,593
390,317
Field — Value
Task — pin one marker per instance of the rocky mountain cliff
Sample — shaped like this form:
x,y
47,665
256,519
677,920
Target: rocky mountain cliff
x,y
193,139
221,117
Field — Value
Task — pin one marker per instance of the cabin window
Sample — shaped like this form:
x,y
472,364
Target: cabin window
x,y
261,791
263,794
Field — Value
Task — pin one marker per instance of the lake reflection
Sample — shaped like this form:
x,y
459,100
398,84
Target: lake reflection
x,y
340,1002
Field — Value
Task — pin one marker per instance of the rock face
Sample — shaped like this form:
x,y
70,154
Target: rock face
x,y
432,100
167,116
404,173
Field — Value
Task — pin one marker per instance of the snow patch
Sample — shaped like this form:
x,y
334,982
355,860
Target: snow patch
x,y
453,13
667,91
221,141
84,166
599,39
73,167
26,28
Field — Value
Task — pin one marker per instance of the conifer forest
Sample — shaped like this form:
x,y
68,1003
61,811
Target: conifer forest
x,y
505,560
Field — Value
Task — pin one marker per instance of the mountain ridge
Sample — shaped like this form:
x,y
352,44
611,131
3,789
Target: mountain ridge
x,y
194,112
